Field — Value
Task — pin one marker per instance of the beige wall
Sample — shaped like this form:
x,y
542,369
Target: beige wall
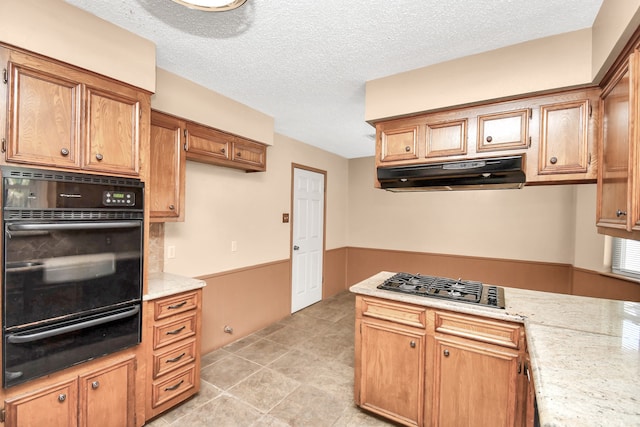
x,y
545,223
183,98
59,30
224,205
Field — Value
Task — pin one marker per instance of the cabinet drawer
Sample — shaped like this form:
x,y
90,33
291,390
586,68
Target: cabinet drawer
x,y
489,331
399,313
166,307
166,389
174,357
168,333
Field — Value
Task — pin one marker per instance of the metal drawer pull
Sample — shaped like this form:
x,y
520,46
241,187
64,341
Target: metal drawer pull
x,y
619,213
446,353
173,387
175,359
412,344
99,157
176,331
62,398
95,385
174,306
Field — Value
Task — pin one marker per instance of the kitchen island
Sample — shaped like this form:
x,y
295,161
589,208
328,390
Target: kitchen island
x,y
584,352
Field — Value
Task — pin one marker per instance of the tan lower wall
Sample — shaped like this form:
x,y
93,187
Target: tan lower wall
x,y
252,298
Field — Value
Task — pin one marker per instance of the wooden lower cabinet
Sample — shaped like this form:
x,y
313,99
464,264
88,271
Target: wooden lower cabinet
x,y
424,367
105,397
473,384
392,371
173,330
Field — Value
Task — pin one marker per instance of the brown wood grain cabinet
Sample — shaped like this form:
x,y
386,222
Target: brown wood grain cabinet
x,y
557,133
173,329
63,117
424,367
105,397
166,185
618,200
212,146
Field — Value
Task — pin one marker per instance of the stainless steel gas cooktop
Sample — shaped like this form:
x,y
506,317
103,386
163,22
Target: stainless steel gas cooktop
x,y
442,287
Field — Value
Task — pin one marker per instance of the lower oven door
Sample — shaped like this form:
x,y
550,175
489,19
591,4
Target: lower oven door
x,y
38,351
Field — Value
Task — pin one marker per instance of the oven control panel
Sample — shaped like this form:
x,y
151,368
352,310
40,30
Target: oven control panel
x,y
118,198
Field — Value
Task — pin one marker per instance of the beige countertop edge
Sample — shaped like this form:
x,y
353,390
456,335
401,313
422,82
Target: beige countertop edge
x,y
164,284
585,356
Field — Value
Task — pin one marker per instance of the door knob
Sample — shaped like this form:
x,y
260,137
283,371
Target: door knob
x,y
296,247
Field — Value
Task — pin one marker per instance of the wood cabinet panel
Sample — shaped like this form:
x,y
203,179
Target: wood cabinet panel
x,y
171,387
399,143
483,330
167,170
169,306
176,330
503,131
55,406
446,139
403,314
488,394
205,144
249,153
618,210
107,396
392,372
174,357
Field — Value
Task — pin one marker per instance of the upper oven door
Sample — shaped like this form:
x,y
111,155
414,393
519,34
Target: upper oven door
x,y
66,269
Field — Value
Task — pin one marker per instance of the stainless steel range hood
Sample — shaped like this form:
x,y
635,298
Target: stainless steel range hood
x,y
476,174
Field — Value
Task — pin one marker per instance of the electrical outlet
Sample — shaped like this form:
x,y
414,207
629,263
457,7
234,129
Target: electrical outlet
x,y
171,252
285,217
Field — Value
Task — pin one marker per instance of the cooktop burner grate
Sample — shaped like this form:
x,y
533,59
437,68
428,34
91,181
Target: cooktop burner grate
x,y
442,287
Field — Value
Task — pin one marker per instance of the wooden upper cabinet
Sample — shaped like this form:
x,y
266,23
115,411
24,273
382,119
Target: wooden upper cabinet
x,y
208,145
44,113
618,209
65,117
504,130
166,184
446,138
398,141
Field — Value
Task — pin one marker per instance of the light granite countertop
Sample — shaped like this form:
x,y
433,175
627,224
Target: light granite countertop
x,y
585,352
164,284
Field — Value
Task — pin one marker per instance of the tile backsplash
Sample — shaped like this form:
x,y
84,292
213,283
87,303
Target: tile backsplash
x,y
156,247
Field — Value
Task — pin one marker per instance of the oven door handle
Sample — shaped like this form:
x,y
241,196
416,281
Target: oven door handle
x,y
74,226
21,339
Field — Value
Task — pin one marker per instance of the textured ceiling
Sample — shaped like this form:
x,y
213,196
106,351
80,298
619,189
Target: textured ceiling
x,y
305,63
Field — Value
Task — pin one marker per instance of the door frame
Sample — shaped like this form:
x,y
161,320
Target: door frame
x,y
292,219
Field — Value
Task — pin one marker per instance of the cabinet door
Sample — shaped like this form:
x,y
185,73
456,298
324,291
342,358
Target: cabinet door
x,y
392,372
112,129
564,138
107,396
503,131
54,406
250,155
446,139
167,168
474,384
207,145
614,198
44,113
398,141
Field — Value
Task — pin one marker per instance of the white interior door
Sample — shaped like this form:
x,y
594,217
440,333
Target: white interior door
x,y
308,238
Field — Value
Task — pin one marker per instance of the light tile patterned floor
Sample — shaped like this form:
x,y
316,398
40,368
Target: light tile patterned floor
x,y
297,372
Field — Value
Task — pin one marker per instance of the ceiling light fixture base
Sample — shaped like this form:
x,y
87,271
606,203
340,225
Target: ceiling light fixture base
x,y
212,5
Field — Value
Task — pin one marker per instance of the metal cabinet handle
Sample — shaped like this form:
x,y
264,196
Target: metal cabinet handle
x,y
172,207
446,353
407,148
489,138
553,160
62,398
222,150
176,331
412,344
296,247
99,157
175,306
239,154
175,359
173,387
619,213
95,385
64,152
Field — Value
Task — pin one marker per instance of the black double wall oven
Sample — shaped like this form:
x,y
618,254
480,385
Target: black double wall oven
x,y
72,269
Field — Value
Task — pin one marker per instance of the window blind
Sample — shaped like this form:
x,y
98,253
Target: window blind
x,y
625,257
